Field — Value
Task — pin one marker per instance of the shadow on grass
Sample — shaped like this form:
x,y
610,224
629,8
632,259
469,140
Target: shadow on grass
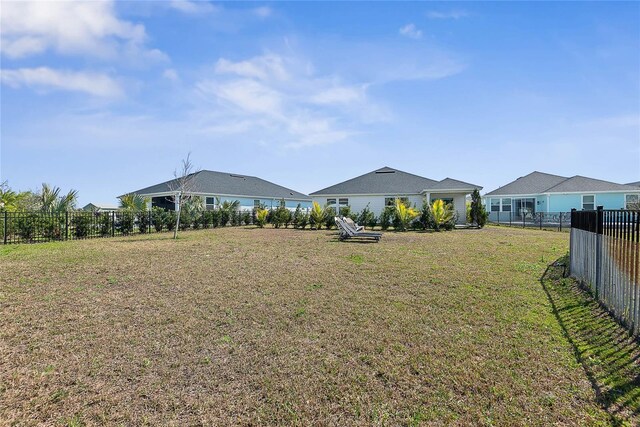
x,y
609,356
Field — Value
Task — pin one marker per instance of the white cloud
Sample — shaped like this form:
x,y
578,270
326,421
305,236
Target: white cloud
x,y
339,95
263,11
43,78
171,74
281,97
451,14
70,27
192,7
410,31
248,95
262,67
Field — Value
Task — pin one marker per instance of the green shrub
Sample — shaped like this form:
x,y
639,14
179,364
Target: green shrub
x,y
186,220
170,220
425,219
303,221
329,217
443,215
477,211
386,217
246,218
281,215
366,218
224,217
144,221
26,225
52,226
104,223
82,223
297,214
157,218
125,221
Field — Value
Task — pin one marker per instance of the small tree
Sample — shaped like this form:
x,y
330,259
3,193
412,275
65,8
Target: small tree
x,y
443,215
366,217
261,217
317,216
478,212
404,215
182,188
425,220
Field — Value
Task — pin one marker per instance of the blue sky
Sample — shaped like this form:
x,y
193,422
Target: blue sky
x,y
108,97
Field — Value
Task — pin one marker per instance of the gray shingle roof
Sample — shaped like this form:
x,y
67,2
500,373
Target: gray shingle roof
x,y
582,183
391,181
539,183
211,182
635,184
454,184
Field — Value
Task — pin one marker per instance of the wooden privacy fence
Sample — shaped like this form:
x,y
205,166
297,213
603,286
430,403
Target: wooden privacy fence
x,y
605,256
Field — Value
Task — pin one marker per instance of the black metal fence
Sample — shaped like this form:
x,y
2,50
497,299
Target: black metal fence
x,y
605,257
35,227
542,220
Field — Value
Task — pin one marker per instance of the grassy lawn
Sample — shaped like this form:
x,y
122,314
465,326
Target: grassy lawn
x,y
270,327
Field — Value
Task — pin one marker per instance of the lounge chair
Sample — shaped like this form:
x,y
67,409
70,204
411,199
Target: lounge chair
x,y
353,224
348,232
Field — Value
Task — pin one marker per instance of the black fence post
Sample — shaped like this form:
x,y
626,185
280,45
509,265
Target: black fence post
x,y
560,229
523,218
510,216
6,216
113,223
149,222
599,226
66,225
541,214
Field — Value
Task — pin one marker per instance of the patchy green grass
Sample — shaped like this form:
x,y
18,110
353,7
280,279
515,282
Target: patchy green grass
x,y
282,327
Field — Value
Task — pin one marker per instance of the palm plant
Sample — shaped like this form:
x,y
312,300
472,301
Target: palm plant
x,y
404,215
51,201
133,202
442,214
261,217
9,199
317,215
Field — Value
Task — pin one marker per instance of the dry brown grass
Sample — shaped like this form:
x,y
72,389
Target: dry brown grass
x,y
271,327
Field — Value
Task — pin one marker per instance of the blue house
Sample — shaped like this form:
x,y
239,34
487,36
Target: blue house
x,y
217,187
543,192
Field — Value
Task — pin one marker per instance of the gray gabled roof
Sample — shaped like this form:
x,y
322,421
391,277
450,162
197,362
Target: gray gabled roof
x,y
540,183
391,181
582,183
453,184
634,184
215,183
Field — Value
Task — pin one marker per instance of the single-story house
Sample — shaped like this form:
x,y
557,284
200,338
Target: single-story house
x,y
218,187
544,192
382,187
100,207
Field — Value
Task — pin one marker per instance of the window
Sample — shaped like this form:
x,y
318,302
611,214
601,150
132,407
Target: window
x,y
445,200
495,205
632,201
588,202
506,205
343,202
257,204
391,201
210,203
331,202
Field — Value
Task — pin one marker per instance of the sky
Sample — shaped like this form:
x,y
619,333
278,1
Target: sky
x,y
109,97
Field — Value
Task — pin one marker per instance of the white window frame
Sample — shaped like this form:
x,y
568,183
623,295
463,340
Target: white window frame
x,y
592,203
626,203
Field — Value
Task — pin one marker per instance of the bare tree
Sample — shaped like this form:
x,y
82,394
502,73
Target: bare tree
x,y
182,188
